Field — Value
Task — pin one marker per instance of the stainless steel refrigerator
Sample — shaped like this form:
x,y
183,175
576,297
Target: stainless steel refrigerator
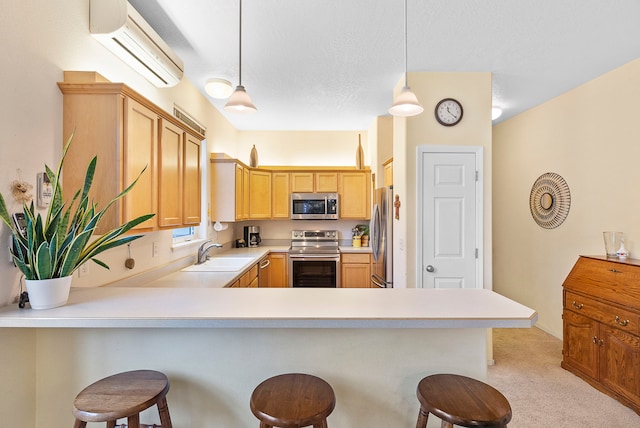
x,y
381,238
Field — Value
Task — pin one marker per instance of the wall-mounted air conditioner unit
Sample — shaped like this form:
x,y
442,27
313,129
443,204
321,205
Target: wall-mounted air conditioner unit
x,y
117,25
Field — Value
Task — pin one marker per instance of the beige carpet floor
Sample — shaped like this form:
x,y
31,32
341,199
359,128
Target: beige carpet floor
x,y
542,394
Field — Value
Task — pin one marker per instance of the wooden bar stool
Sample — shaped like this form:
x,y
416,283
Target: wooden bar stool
x,y
461,401
293,400
123,395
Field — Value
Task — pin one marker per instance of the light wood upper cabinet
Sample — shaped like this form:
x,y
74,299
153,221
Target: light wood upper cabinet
x,y
229,190
310,181
355,194
260,194
170,176
326,181
301,182
140,148
388,173
124,130
280,195
192,181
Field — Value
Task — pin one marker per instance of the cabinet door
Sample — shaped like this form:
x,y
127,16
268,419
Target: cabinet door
x,y
326,182
388,174
279,274
355,275
192,187
578,349
620,362
246,196
260,191
280,195
355,195
140,142
170,175
302,182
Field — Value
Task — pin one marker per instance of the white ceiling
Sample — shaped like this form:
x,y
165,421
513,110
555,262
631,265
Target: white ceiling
x,y
333,64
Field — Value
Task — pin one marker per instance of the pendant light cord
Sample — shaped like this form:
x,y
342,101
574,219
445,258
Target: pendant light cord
x,y
240,47
405,44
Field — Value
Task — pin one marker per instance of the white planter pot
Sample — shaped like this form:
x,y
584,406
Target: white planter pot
x,y
48,293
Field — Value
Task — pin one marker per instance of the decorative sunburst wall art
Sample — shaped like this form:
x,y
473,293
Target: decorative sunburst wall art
x,y
550,200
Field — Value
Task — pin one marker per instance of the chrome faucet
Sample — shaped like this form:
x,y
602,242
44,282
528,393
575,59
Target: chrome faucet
x,y
203,251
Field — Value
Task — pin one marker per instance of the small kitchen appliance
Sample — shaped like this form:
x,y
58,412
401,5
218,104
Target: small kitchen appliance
x,y
314,259
252,236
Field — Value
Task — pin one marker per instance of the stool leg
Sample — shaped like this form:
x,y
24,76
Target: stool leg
x,y
322,424
79,424
163,409
111,424
422,419
133,421
446,424
265,425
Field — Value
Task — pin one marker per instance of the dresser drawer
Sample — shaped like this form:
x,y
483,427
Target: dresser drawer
x,y
603,312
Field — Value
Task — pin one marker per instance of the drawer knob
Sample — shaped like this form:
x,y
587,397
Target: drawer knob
x,y
597,341
620,322
614,270
577,305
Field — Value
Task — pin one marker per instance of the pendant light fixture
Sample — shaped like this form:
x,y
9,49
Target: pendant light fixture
x,y
405,103
239,102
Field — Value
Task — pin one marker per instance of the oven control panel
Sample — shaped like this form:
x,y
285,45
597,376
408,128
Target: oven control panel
x,y
311,235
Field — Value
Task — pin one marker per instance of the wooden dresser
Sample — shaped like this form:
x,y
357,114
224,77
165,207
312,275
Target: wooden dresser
x,y
601,322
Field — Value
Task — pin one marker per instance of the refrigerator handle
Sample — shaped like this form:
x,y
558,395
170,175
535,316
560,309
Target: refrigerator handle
x,y
374,229
376,282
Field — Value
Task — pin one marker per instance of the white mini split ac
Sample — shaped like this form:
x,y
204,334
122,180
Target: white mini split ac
x,y
118,26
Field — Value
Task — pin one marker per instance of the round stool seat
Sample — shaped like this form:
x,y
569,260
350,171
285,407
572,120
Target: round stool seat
x,y
293,400
123,395
462,401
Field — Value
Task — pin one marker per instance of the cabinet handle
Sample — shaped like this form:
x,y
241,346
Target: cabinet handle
x,y
577,305
622,323
597,341
614,271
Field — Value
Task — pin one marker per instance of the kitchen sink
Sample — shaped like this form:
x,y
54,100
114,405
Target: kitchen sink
x,y
221,264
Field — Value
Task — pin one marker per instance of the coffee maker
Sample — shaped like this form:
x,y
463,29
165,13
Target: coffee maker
x,y
252,236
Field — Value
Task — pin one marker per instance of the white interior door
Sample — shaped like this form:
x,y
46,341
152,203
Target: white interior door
x,y
450,233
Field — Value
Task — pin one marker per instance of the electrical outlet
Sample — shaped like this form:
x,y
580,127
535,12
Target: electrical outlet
x,y
155,249
83,270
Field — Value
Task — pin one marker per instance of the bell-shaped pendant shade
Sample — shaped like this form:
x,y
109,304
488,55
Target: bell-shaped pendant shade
x,y
406,104
239,102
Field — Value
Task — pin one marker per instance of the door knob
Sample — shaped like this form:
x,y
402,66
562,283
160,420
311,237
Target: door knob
x,y
430,268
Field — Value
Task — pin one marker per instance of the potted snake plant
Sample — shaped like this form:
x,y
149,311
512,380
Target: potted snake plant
x,y
54,247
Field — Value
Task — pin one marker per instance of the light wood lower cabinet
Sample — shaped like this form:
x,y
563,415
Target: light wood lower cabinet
x,y
601,326
279,270
248,279
355,270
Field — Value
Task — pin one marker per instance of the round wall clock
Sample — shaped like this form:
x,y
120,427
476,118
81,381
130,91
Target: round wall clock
x,y
448,112
550,200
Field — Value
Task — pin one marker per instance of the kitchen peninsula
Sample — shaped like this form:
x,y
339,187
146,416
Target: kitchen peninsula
x,y
217,344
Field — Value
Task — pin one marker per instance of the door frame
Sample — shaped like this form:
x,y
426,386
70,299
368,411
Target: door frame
x,y
478,151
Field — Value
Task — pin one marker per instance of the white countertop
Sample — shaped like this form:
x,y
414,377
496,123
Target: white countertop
x,y
123,307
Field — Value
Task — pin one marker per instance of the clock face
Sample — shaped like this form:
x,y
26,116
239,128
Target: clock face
x,y
448,112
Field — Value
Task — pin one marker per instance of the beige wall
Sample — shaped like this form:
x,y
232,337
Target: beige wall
x,y
590,136
473,90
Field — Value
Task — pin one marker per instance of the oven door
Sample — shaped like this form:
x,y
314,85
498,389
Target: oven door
x,y
314,271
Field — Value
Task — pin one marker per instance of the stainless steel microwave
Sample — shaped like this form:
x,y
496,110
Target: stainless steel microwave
x,y
314,206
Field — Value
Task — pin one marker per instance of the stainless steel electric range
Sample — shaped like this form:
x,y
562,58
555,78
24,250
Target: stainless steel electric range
x,y
314,259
